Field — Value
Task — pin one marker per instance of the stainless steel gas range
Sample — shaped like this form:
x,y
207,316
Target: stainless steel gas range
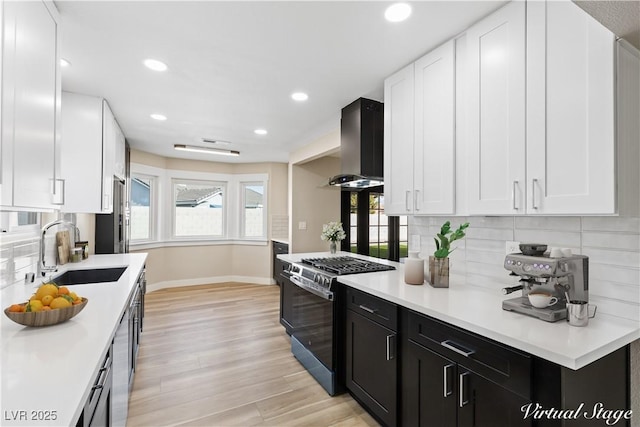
x,y
316,327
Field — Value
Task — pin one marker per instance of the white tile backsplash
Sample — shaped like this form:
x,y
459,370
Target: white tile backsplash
x,y
17,258
611,243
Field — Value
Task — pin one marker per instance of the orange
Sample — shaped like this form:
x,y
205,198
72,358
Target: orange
x,y
46,308
77,301
59,302
46,300
34,306
47,289
16,308
63,290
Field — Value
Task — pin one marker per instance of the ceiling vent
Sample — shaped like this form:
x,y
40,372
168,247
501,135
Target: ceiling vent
x,y
215,141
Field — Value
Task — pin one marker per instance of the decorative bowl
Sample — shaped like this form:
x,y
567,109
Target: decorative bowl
x,y
533,249
46,318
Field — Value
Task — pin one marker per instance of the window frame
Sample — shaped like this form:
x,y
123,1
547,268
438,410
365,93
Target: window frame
x,y
163,217
242,207
225,208
154,182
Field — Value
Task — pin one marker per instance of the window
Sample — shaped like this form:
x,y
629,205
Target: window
x,y
253,215
19,222
403,236
381,236
198,208
142,207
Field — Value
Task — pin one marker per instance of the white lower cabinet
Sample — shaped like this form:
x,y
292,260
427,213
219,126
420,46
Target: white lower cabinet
x,y
30,106
420,136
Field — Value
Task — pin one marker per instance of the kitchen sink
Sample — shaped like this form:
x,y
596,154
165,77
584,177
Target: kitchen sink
x,y
83,277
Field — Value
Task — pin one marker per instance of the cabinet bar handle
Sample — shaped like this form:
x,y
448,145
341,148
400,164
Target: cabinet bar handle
x,y
416,200
367,309
513,195
447,391
62,191
534,182
407,197
457,348
462,401
390,354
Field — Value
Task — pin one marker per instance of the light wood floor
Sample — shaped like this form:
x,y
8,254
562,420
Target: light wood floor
x,y
216,355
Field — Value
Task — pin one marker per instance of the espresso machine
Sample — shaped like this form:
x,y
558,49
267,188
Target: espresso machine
x,y
556,276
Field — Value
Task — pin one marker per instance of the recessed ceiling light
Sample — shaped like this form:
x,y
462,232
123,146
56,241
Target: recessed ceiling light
x,y
260,131
299,96
159,117
64,62
155,65
397,12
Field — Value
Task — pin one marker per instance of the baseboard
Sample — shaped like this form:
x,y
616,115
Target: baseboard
x,y
209,280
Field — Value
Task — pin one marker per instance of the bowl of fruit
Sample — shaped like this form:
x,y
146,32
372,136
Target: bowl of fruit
x,y
50,305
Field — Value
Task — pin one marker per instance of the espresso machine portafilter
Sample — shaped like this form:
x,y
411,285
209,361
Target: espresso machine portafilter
x,y
556,276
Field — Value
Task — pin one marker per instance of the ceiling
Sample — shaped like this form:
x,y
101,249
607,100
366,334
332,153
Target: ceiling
x,y
233,65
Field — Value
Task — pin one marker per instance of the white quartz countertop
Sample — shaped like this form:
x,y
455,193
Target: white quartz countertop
x,y
480,311
50,370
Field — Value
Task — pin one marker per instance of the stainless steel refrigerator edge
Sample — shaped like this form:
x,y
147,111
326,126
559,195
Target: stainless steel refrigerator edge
x,y
112,230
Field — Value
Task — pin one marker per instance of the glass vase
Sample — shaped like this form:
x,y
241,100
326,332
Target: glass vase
x,y
333,247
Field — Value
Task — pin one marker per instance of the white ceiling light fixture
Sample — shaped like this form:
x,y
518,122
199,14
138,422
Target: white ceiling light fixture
x,y
299,96
206,150
64,63
260,131
397,12
158,117
155,65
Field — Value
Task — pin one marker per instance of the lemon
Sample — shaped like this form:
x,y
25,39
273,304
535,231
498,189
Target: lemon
x,y
46,300
34,306
47,289
73,295
60,302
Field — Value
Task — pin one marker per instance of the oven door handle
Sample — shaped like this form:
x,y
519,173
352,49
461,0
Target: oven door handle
x,y
328,295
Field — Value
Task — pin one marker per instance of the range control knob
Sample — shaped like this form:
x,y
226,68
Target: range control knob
x,y
527,267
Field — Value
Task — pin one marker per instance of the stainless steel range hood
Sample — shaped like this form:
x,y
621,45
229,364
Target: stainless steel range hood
x,y
361,145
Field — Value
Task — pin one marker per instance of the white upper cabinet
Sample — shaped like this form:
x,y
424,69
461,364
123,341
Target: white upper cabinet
x,y
30,106
496,112
89,156
570,111
420,136
398,142
434,149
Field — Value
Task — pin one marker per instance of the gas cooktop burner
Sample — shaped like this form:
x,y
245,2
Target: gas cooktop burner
x,y
342,265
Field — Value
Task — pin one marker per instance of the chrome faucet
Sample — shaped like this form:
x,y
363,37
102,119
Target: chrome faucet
x,y
44,269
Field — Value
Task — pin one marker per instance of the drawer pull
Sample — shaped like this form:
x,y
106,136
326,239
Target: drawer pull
x,y
463,401
448,391
457,348
367,309
390,350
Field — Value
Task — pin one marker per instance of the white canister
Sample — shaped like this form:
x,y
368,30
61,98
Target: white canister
x,y
414,269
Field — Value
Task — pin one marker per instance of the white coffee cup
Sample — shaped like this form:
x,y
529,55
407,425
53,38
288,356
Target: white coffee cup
x,y
566,252
541,299
555,253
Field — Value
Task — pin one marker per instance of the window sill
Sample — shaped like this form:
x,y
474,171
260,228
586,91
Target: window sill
x,y
177,243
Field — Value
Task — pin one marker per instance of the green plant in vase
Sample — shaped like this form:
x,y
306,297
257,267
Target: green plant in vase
x,y
439,261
